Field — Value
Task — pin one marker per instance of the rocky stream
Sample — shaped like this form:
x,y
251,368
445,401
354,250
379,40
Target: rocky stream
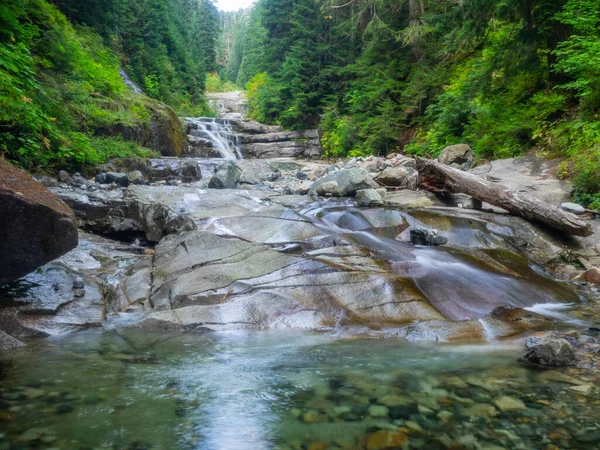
x,y
249,295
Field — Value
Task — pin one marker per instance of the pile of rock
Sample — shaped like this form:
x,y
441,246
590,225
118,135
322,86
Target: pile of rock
x,y
121,172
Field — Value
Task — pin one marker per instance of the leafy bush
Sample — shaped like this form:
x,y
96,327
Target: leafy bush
x,y
214,83
59,85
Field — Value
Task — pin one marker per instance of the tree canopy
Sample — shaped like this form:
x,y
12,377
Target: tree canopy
x,y
381,76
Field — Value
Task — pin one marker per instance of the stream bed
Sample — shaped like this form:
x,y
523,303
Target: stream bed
x,y
247,389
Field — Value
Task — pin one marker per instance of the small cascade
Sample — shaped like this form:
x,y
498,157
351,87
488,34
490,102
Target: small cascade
x,y
129,82
217,134
453,285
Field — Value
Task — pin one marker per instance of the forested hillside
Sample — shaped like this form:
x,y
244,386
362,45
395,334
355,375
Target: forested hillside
x,y
380,76
62,101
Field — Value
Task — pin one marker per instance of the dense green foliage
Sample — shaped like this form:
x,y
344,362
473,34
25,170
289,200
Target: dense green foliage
x,y
166,46
380,76
57,85
63,103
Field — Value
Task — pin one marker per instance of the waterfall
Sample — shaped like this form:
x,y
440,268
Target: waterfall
x,y
129,82
219,133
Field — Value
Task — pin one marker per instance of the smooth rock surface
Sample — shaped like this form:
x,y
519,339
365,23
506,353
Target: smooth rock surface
x,y
35,225
369,197
530,175
550,351
573,208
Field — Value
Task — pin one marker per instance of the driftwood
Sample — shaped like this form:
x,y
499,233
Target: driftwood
x,y
440,178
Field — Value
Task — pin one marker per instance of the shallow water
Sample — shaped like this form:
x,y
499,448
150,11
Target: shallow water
x,y
287,390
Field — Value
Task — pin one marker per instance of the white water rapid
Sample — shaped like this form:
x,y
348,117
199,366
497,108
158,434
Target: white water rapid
x,y
220,133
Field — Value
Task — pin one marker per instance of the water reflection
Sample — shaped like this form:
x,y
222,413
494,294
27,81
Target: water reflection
x,y
288,390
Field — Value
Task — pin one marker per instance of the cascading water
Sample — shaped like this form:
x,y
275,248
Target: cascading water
x,y
219,133
456,287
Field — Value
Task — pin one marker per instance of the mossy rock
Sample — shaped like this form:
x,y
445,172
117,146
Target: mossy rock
x,y
160,130
169,138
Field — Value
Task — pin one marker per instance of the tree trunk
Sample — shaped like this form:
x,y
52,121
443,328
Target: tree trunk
x,y
415,11
437,177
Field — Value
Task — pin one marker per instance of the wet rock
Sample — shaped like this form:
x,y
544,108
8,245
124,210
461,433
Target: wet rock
x,y
226,176
189,171
412,199
483,410
313,417
573,208
35,226
78,283
344,183
386,439
424,236
8,342
370,197
378,411
301,175
590,276
549,351
505,403
459,154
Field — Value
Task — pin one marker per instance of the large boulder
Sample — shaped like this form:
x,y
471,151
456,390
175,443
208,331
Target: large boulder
x,y
169,138
529,175
343,183
227,176
549,350
459,154
398,176
35,226
370,197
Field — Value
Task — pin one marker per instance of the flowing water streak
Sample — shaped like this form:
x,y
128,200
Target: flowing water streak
x,y
458,289
220,133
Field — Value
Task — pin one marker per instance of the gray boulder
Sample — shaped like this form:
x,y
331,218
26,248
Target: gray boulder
x,y
343,183
35,225
549,351
398,176
573,208
136,177
529,175
459,154
189,171
425,236
8,342
370,197
226,176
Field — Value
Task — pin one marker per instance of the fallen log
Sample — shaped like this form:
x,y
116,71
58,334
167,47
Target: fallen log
x,y
440,178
